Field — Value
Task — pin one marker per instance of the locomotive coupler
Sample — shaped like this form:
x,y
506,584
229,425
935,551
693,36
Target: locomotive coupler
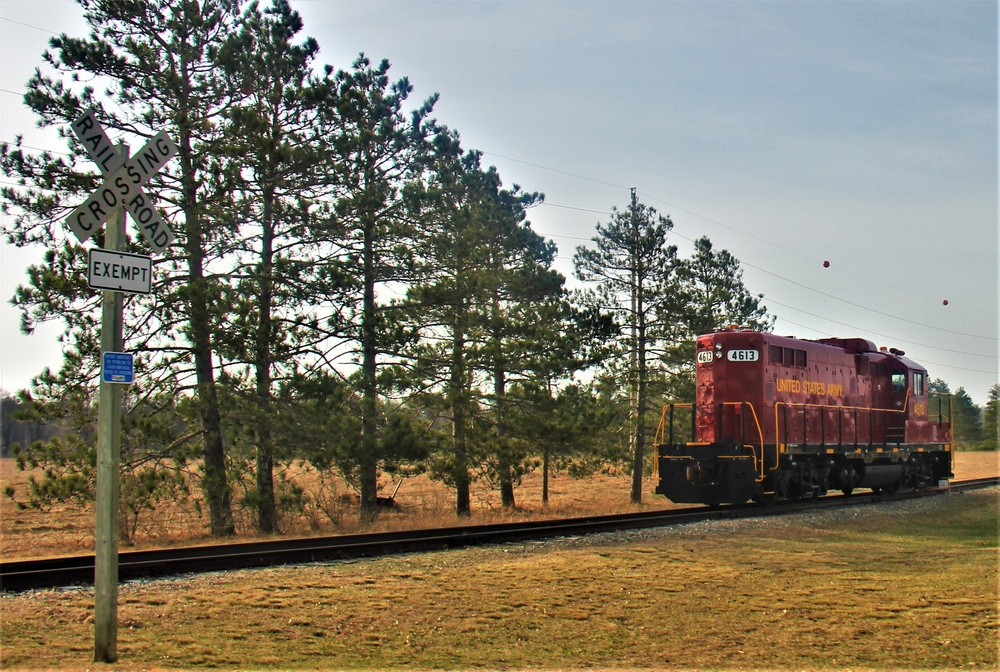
x,y
696,474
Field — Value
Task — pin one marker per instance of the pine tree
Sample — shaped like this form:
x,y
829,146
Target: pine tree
x,y
156,57
631,269
373,234
714,298
276,130
717,295
991,430
446,300
520,285
967,423
570,427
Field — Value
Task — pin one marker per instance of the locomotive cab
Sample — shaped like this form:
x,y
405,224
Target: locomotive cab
x,y
780,418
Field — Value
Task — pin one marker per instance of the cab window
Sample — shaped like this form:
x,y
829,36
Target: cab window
x,y
919,378
899,381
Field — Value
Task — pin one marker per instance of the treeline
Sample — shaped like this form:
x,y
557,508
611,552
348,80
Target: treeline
x,y
17,431
975,427
349,285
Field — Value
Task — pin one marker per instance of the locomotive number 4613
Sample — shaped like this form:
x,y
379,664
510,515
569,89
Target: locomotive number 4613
x,y
743,355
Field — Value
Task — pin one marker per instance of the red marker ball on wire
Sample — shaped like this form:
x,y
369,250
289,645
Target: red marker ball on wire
x,y
945,302
826,264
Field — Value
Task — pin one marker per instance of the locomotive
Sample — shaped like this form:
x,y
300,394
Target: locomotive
x,y
777,418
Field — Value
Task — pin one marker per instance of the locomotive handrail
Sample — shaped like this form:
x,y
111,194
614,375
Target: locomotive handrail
x,y
661,429
840,435
940,421
665,427
939,418
760,433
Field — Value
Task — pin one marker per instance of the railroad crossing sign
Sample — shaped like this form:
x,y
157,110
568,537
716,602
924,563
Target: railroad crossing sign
x,y
122,184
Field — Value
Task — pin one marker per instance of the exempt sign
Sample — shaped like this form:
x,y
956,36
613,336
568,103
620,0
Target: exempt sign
x,y
119,271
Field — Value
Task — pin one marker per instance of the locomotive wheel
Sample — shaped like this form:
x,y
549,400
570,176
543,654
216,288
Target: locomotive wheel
x,y
847,491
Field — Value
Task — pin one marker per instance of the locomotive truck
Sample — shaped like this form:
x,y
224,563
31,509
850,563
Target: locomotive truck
x,y
776,418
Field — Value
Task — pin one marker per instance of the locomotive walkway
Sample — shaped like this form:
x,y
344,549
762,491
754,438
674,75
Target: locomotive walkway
x,y
79,570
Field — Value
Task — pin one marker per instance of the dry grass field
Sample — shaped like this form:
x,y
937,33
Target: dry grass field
x,y
422,503
906,586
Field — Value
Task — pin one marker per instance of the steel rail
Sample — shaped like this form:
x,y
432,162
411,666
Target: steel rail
x,y
22,575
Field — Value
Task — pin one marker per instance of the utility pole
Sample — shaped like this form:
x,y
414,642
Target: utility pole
x,y
109,423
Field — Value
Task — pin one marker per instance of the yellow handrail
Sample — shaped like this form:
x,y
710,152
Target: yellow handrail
x,y
760,433
661,429
777,425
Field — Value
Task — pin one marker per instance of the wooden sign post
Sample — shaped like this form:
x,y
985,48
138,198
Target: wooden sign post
x,y
109,425
120,191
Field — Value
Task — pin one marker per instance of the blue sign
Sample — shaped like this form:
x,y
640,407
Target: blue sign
x,y
117,367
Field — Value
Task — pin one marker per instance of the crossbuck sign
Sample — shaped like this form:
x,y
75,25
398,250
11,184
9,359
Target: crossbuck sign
x,y
122,184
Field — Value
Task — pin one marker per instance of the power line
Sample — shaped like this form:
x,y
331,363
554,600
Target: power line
x,y
851,326
731,228
956,368
923,361
811,289
767,241
556,170
653,197
858,305
570,207
27,25
37,149
743,262
771,242
763,240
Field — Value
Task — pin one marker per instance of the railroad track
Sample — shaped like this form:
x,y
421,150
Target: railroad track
x,y
21,575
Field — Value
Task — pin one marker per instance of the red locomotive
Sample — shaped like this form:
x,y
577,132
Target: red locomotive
x,y
782,418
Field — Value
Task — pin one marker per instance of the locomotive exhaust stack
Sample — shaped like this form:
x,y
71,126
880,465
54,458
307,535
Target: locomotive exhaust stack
x,y
783,418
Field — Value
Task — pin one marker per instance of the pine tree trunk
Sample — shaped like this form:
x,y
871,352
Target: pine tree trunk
x,y
640,415
507,488
368,467
459,407
545,475
463,497
504,468
267,514
215,482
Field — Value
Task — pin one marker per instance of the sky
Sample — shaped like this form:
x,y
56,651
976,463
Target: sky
x,y
861,133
